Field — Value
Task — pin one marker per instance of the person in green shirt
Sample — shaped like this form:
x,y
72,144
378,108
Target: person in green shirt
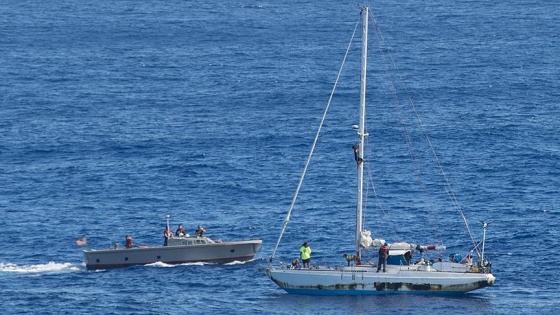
x,y
305,254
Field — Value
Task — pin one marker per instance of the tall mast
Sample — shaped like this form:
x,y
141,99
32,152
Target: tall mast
x,y
361,130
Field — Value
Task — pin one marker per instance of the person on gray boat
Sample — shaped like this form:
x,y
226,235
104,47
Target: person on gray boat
x,y
128,242
180,231
199,231
167,234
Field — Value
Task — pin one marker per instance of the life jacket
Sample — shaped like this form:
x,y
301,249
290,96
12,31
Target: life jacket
x,y
384,250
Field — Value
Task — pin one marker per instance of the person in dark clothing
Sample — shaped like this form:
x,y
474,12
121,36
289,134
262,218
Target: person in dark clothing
x,y
295,264
167,234
408,257
180,231
199,231
383,254
128,242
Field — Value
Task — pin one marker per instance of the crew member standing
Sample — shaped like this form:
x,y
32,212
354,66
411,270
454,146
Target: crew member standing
x,y
305,254
167,234
383,253
128,242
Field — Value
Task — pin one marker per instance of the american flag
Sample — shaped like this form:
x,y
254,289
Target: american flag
x,y
81,242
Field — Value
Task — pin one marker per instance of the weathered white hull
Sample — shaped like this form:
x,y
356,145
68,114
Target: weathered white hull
x,y
223,252
366,281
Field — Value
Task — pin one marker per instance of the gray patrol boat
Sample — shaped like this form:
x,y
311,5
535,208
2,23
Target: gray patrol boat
x,y
179,250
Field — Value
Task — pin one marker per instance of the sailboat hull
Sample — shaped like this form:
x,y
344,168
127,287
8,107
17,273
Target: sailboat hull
x,y
366,281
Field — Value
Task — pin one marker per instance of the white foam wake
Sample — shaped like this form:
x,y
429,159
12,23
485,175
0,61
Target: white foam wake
x,y
159,264
50,267
236,262
164,265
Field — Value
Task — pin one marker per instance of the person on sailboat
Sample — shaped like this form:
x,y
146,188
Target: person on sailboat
x,y
305,254
295,264
356,149
383,254
408,257
468,259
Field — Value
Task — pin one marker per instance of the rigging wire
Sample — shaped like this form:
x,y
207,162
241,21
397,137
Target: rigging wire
x,y
411,151
448,187
287,219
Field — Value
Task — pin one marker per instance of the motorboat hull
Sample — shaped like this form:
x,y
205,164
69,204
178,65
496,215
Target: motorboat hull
x,y
220,253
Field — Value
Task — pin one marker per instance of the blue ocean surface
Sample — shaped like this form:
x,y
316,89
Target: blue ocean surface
x,y
116,113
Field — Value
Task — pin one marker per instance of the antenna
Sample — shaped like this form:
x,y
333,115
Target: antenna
x,y
484,226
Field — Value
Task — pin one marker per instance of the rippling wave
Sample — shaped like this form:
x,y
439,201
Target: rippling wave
x,y
114,114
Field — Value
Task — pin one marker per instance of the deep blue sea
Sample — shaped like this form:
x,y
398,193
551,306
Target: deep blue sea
x,y
116,113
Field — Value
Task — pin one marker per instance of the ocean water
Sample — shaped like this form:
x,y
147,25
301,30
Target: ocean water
x,y
114,114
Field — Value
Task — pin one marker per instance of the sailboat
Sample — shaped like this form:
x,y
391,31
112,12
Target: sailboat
x,y
454,275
